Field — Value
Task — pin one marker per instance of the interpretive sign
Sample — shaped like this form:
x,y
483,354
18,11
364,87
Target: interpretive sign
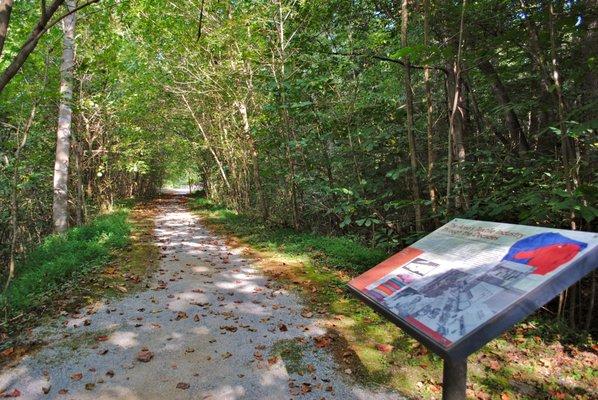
x,y
469,281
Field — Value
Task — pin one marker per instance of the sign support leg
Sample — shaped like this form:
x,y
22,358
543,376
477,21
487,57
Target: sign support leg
x,y
454,379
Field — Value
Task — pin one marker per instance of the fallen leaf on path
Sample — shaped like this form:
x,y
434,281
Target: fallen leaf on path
x,y
145,355
181,315
226,355
63,391
102,338
8,352
77,376
273,360
46,389
229,328
13,394
282,327
307,314
305,388
90,386
322,341
110,373
182,385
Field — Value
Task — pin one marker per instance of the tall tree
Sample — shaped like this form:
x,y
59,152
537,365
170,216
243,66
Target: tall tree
x,y
65,114
409,120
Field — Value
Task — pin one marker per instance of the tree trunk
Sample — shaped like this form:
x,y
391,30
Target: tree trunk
x,y
80,213
429,115
568,145
14,204
456,115
502,96
61,165
410,135
5,10
254,160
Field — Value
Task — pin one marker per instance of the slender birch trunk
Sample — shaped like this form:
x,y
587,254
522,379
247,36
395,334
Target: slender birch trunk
x,y
61,165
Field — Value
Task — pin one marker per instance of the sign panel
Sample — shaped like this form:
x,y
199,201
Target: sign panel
x,y
469,281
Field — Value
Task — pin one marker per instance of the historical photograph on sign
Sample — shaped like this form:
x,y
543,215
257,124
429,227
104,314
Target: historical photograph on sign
x,y
460,276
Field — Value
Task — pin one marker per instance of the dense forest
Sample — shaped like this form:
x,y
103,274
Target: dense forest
x,y
374,119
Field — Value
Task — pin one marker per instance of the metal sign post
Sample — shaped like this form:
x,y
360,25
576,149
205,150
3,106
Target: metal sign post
x,y
469,281
454,379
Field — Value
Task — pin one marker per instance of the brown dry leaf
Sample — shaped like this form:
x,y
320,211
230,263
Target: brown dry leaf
x,y
8,352
226,355
196,318
181,315
272,360
63,391
494,365
46,389
322,341
310,368
282,327
102,338
384,347
182,385
90,386
121,288
505,396
77,376
307,314
145,355
14,393
305,388
480,395
229,328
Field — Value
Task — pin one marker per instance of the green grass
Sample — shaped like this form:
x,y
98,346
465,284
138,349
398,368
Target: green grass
x,y
61,260
336,252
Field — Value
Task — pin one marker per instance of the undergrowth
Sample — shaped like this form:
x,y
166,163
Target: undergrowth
x,y
63,259
338,252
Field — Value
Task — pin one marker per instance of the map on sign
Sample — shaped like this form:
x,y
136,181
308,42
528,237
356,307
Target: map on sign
x,y
459,277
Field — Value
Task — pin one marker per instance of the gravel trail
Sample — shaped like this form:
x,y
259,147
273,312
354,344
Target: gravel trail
x,y
209,326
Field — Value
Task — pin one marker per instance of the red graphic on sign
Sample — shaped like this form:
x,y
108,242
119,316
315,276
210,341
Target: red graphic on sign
x,y
546,259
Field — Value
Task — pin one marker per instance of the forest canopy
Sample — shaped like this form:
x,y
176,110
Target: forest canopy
x,y
377,119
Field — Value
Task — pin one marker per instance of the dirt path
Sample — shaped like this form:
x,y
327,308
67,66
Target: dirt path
x,y
214,328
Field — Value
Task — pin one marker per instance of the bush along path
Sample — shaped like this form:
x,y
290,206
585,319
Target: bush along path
x,y
209,325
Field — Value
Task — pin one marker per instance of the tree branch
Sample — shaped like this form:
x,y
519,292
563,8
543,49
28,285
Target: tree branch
x,y
31,43
383,58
